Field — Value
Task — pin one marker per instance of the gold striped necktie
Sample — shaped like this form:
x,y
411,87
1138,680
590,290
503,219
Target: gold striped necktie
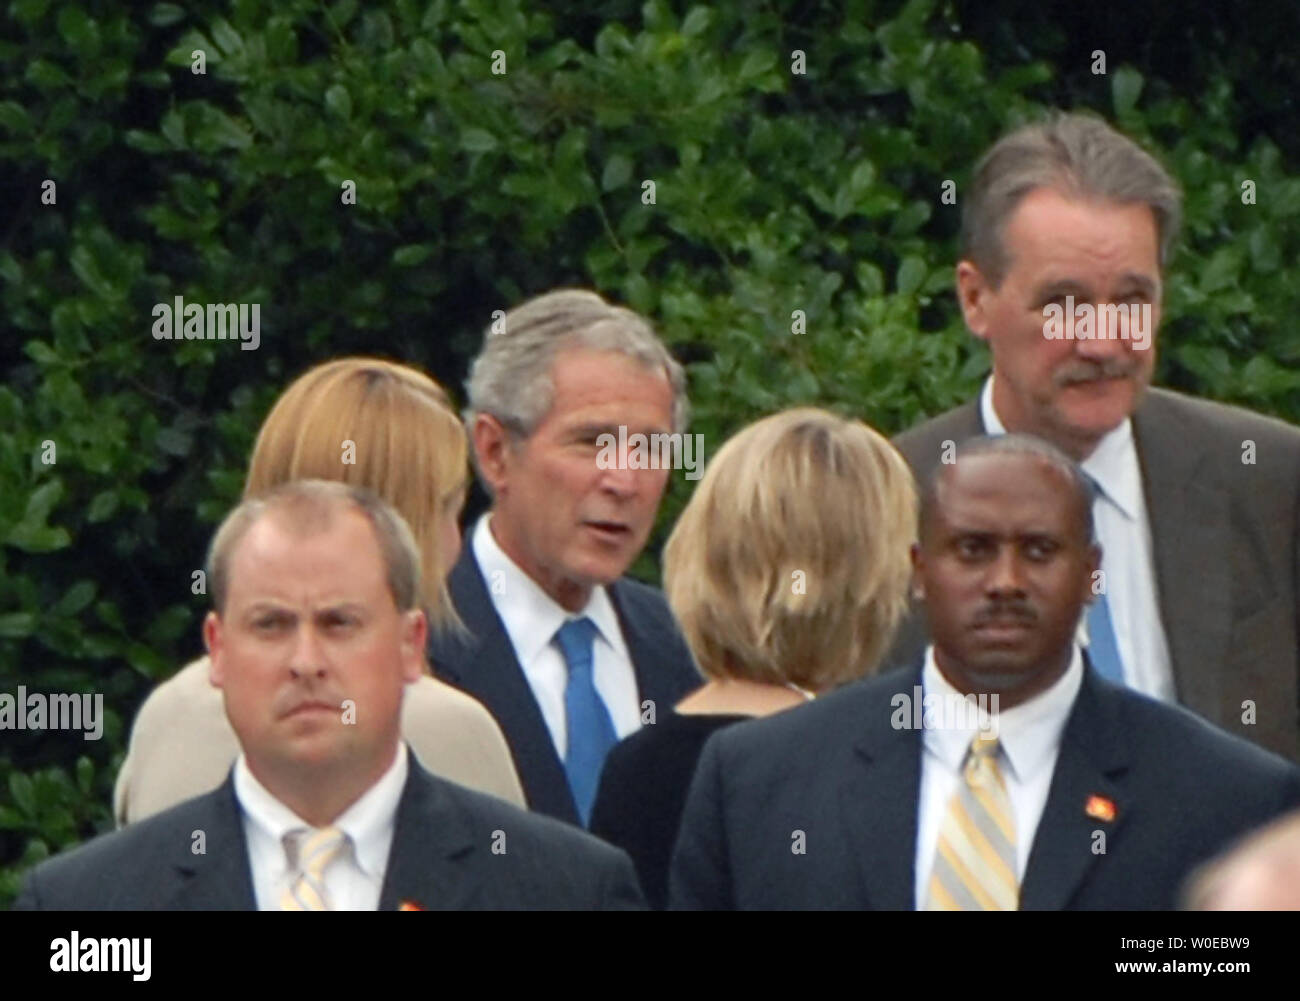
x,y
975,864
316,851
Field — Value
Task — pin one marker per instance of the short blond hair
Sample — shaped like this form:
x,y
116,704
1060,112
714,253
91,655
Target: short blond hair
x,y
790,563
407,442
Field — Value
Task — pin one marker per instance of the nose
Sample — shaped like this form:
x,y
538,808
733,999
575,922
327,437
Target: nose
x,y
1006,575
307,658
1111,333
621,481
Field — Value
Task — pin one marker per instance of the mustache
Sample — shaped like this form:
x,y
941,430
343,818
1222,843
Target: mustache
x,y
1087,370
1019,611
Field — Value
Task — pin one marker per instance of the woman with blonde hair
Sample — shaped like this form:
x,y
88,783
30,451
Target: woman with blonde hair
x,y
369,423
788,571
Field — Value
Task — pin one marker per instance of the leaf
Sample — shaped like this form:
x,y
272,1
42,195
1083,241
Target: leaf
x,y
617,172
697,21
339,101
23,793
476,140
16,625
1125,87
164,15
77,598
412,253
911,273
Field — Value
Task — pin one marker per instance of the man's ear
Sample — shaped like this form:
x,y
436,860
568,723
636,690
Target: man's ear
x,y
214,642
415,635
918,565
1094,574
491,448
972,294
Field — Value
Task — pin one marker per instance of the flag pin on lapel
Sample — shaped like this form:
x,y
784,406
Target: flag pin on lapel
x,y
1100,808
409,905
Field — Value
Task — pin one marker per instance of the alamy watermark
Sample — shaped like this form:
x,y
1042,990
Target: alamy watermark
x,y
218,321
53,712
1086,322
652,451
932,711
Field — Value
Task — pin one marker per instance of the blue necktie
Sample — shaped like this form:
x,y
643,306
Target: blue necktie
x,y
1103,649
590,729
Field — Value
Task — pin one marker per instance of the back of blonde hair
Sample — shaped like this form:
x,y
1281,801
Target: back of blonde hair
x,y
790,563
403,440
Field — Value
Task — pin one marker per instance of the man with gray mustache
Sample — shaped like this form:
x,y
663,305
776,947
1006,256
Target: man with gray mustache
x,y
1067,228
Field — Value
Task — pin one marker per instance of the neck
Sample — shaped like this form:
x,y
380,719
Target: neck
x,y
1011,689
319,795
736,696
569,594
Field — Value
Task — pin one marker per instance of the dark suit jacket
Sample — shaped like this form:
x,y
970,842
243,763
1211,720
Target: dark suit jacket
x,y
1226,547
485,666
837,771
441,859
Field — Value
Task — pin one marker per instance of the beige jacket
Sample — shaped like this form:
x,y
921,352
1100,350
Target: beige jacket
x,y
183,746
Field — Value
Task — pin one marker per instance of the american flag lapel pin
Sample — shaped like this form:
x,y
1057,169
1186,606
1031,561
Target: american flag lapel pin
x,y
1100,808
409,905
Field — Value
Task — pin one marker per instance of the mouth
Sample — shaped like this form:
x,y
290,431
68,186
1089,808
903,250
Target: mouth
x,y
1004,628
612,532
308,708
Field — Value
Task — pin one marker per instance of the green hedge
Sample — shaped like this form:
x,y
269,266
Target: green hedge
x,y
775,191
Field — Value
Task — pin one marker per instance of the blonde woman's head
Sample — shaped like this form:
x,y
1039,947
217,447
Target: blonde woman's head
x,y
383,426
790,563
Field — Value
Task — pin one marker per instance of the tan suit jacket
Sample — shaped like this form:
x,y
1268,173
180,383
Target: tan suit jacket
x,y
183,746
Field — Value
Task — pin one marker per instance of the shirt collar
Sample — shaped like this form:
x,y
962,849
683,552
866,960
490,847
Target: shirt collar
x,y
1028,733
1113,464
531,616
368,822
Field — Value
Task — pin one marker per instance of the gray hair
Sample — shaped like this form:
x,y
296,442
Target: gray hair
x,y
1078,155
1016,444
311,505
511,377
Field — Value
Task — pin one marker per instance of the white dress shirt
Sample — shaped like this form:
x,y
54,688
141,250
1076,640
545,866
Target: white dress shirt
x,y
532,617
355,878
1030,738
1124,532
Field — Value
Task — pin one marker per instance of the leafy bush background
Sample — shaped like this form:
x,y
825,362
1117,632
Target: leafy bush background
x,y
775,192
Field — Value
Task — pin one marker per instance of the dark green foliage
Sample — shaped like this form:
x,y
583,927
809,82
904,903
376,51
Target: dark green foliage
x,y
774,192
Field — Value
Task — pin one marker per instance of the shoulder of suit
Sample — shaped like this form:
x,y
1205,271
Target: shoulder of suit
x,y
643,599
137,847
921,444
1171,733
1212,416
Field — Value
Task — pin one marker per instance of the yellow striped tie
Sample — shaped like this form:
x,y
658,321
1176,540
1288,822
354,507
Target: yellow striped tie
x,y
315,853
975,865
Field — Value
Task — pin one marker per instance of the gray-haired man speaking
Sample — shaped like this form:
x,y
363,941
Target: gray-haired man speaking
x,y
566,653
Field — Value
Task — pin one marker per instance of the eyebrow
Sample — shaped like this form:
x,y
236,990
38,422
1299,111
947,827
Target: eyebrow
x,y
1068,286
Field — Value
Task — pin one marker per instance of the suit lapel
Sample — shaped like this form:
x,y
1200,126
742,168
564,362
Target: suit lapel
x,y
878,803
643,647
484,664
1084,788
429,864
1188,516
219,879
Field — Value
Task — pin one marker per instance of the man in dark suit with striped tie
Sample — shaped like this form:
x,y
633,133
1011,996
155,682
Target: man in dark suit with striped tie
x,y
316,631
1001,772
567,653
